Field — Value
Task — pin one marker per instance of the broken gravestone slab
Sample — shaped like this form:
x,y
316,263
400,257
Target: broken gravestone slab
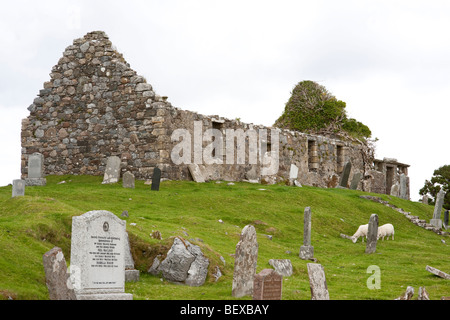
x,y
184,263
112,171
317,282
56,276
437,272
282,266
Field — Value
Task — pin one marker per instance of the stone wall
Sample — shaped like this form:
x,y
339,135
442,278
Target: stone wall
x,y
95,106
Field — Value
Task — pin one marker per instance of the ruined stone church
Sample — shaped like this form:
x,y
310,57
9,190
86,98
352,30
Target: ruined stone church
x,y
95,106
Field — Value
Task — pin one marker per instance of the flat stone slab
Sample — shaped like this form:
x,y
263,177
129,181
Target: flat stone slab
x,y
196,173
282,266
438,273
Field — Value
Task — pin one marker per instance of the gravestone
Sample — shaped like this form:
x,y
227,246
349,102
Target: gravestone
x,y
36,170
306,250
425,199
345,175
395,190
355,180
438,272
372,234
402,192
245,260
131,274
156,179
282,266
267,285
293,173
112,170
446,219
56,276
18,188
97,260
436,221
317,282
128,180
196,173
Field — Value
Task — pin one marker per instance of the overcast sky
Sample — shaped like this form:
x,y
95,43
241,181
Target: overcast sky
x,y
388,60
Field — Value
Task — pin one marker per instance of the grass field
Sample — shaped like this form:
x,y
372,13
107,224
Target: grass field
x,y
35,223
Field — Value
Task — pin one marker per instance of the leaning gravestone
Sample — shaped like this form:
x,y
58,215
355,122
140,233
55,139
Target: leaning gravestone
x,y
372,234
112,170
355,181
97,260
18,188
436,221
128,180
131,274
345,175
282,266
245,260
317,282
267,285
56,276
196,173
306,250
156,179
36,170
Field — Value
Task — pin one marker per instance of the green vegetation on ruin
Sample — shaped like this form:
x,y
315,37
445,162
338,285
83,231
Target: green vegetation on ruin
x,y
35,223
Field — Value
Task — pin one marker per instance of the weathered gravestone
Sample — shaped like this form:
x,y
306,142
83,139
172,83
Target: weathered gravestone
x,y
97,260
355,180
403,190
196,173
18,188
438,272
372,234
36,170
56,276
128,180
112,170
306,250
345,175
184,264
245,260
156,179
395,190
436,221
425,199
267,285
293,173
282,266
131,274
317,282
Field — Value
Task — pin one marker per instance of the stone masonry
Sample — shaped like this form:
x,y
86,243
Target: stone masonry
x,y
95,106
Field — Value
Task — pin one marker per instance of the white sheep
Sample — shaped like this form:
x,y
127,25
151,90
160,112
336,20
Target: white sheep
x,y
385,230
361,232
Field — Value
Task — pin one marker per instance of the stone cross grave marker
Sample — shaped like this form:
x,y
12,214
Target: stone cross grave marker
x,y
317,282
436,221
97,260
306,250
345,175
36,170
128,180
355,181
112,170
372,234
156,179
245,260
18,188
267,285
56,275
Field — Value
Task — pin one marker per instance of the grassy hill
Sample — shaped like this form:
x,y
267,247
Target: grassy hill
x,y
35,223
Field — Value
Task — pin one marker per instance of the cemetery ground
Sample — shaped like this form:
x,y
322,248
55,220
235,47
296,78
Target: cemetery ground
x,y
212,216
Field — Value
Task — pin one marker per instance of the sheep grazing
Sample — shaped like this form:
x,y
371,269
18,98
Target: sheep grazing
x,y
385,230
361,232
